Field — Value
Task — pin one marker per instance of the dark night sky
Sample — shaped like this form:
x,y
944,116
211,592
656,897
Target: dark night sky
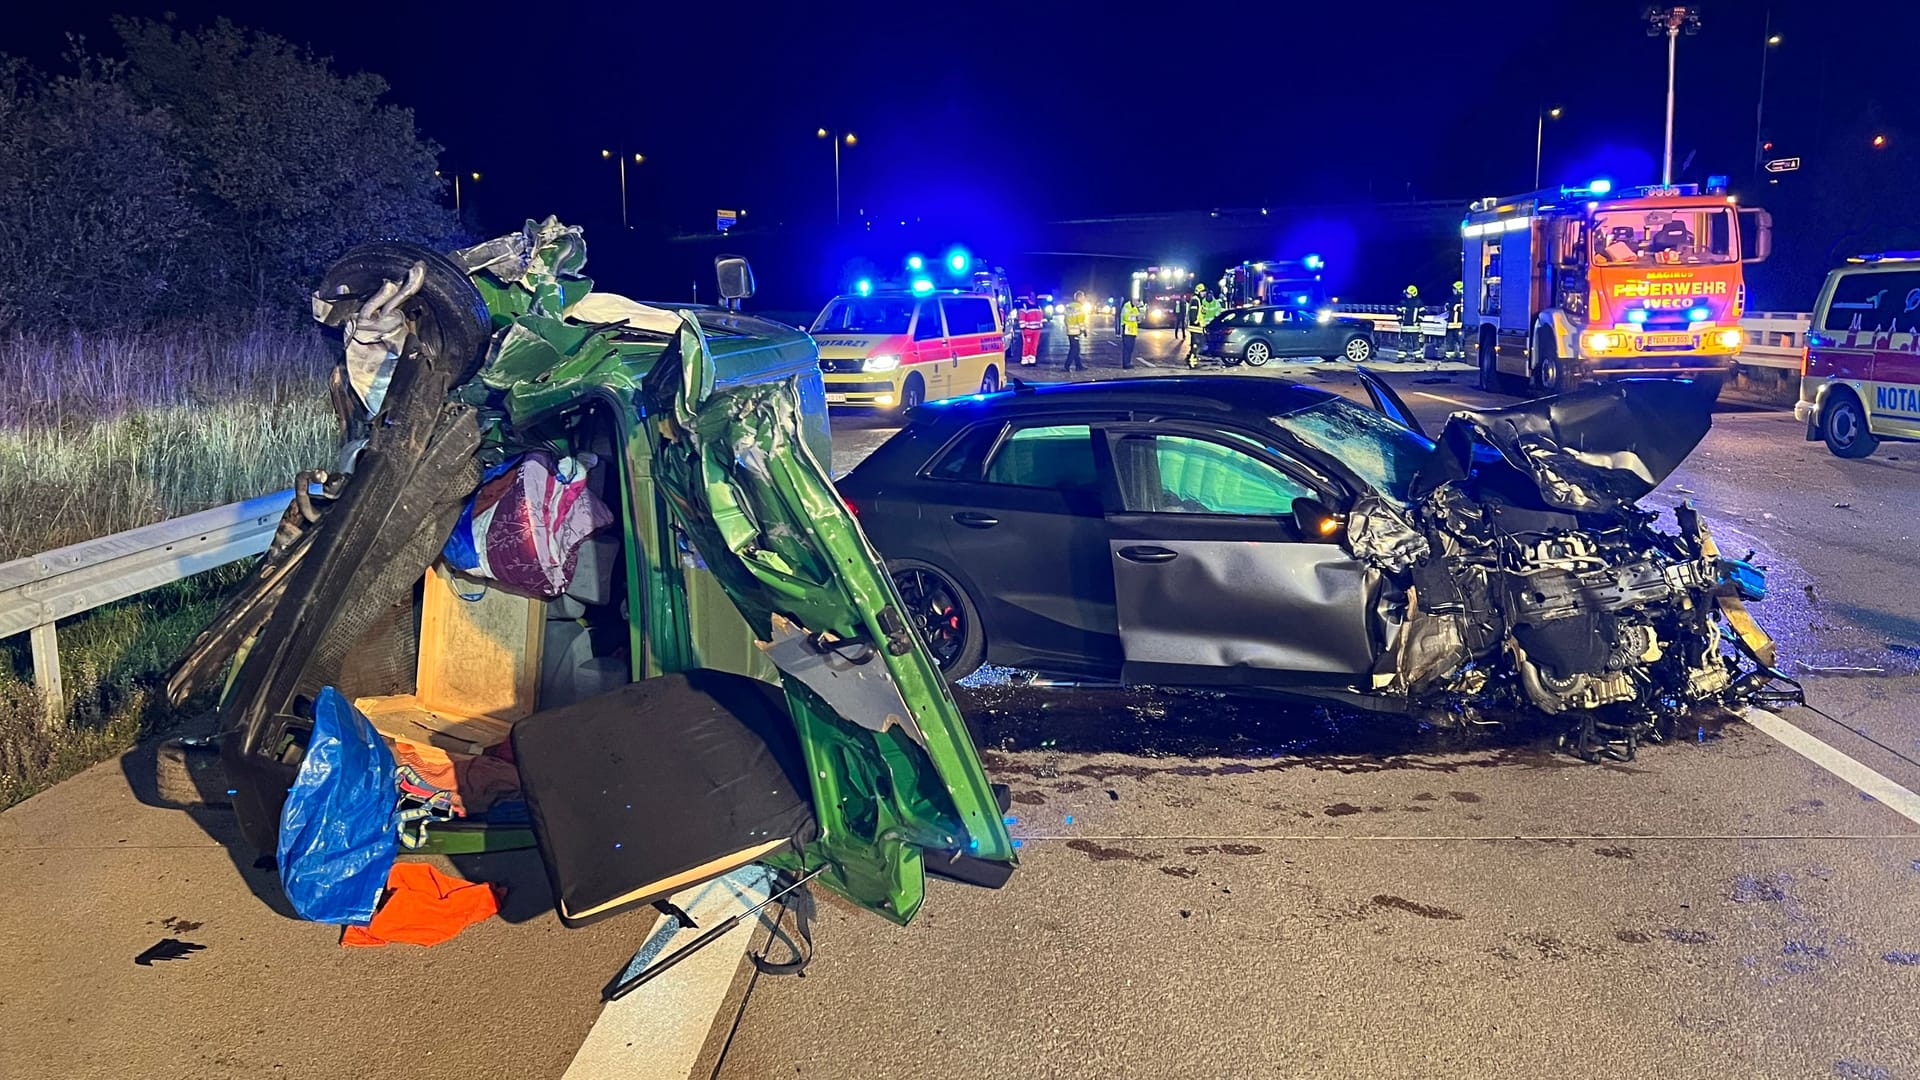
x,y
990,112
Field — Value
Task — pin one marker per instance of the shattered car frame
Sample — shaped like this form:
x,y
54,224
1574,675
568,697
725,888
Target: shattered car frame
x,y
734,552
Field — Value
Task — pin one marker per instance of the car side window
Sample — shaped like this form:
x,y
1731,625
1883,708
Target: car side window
x,y
1056,456
1177,474
1254,317
969,315
927,326
1886,302
966,457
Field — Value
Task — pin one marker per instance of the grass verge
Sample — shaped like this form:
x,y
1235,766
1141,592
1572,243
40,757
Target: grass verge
x,y
114,661
100,433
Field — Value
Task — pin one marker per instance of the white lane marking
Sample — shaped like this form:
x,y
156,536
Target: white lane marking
x,y
1146,362
658,1030
1884,791
1448,400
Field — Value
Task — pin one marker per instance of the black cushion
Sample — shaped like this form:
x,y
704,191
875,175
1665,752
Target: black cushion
x,y
659,785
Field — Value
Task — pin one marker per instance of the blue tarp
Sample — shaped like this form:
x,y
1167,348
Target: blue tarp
x,y
337,836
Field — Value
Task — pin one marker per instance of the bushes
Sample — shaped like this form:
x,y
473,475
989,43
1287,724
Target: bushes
x,y
206,171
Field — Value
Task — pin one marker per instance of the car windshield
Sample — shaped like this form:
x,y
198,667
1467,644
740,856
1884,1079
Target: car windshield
x,y
1651,237
1380,452
865,315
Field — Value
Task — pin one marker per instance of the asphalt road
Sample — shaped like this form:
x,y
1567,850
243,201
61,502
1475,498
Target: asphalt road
x,y
1210,886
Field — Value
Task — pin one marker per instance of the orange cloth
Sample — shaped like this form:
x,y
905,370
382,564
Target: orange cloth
x,y
424,907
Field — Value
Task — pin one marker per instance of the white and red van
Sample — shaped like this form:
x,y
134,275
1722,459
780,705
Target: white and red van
x,y
895,349
1860,376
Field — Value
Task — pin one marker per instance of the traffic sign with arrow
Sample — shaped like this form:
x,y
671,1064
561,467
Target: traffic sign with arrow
x,y
1784,164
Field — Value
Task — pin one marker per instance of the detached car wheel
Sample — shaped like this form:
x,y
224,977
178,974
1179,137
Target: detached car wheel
x,y
1843,424
942,614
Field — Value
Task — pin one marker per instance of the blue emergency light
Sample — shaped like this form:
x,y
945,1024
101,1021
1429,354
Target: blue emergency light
x,y
1637,315
1600,186
864,287
958,260
1313,262
1698,314
922,286
915,262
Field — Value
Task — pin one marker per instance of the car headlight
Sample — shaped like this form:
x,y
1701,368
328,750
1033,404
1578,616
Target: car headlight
x,y
1325,317
1730,338
886,362
1602,340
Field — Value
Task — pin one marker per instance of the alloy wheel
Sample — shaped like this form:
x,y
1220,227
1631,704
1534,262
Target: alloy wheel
x,y
936,613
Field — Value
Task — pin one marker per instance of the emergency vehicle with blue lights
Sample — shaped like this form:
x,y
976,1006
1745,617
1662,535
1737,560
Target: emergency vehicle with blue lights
x,y
1276,283
894,346
1860,374
1161,294
1570,284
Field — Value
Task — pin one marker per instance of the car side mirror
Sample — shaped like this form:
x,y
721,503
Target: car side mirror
x,y
1316,520
736,278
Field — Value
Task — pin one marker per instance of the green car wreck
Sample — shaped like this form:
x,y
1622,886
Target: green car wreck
x,y
720,675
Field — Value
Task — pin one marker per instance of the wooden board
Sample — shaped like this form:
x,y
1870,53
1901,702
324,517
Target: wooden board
x,y
402,716
478,658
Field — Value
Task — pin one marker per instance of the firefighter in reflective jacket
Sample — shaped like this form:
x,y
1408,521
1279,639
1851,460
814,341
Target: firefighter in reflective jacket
x,y
1032,321
1410,344
1201,311
1456,321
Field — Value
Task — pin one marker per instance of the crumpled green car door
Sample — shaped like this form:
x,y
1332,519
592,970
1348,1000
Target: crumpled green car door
x,y
898,787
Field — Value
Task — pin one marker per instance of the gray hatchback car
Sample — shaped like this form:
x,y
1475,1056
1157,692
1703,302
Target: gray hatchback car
x,y
1259,334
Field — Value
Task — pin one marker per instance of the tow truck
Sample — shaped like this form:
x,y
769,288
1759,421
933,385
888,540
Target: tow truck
x,y
1574,283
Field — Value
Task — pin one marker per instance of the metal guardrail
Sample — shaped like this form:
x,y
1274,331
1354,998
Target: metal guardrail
x,y
1774,338
39,590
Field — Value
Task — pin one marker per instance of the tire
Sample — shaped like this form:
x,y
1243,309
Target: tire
x,y
1357,349
1490,378
933,601
1843,424
1257,353
448,314
914,393
1551,374
990,382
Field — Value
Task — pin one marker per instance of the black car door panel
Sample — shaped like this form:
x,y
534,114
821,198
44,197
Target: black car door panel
x,y
1213,582
1030,536
1247,605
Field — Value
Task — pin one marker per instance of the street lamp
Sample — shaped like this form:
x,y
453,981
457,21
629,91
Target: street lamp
x,y
1769,39
837,137
1539,140
1671,19
456,186
621,156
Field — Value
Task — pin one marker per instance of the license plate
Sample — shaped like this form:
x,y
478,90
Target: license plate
x,y
836,399
1669,339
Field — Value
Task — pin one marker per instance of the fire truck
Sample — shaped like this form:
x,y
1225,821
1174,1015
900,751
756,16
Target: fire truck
x,y
1276,282
1569,284
1162,293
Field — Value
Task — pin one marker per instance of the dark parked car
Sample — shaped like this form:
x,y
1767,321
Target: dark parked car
x,y
1259,334
1237,530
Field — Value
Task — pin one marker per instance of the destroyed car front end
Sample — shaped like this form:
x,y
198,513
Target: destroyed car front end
x,y
1525,576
